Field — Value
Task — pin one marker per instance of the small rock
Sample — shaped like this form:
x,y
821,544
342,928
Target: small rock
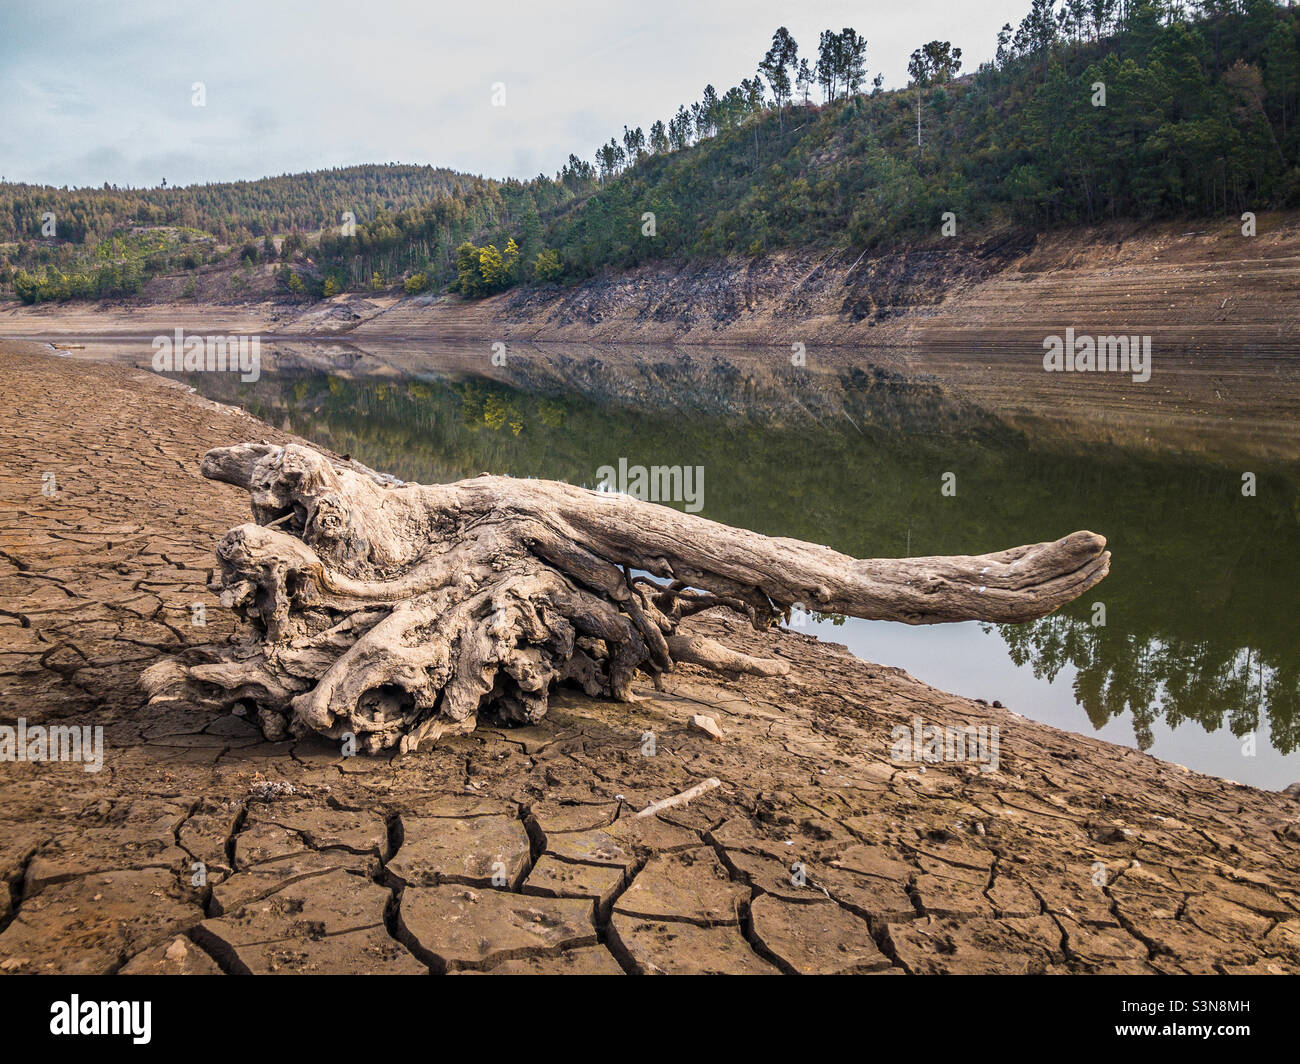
x,y
265,790
707,725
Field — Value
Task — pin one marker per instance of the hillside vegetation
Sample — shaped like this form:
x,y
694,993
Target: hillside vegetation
x,y
97,242
1092,110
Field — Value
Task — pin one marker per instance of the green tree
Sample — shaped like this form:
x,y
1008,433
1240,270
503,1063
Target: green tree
x,y
510,262
853,52
932,64
469,281
492,268
547,267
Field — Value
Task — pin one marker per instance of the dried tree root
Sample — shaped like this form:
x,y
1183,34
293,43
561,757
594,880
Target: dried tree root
x,y
397,612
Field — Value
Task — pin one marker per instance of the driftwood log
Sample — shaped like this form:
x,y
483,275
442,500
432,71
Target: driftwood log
x,y
397,612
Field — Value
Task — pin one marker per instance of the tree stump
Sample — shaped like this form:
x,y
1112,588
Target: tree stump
x,y
398,612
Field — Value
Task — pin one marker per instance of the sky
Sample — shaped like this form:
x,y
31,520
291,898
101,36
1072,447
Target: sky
x,y
104,91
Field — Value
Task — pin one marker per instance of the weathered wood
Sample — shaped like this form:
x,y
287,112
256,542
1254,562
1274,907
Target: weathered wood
x,y
394,612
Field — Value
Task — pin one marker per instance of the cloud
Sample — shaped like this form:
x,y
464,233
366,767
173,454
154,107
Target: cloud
x,y
94,93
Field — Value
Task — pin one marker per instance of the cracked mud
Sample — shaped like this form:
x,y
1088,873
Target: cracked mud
x,y
201,848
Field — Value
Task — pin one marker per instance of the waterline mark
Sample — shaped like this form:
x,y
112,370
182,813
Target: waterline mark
x,y
1101,354
208,354
59,742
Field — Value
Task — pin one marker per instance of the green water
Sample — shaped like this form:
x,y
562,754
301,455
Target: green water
x,y
1196,660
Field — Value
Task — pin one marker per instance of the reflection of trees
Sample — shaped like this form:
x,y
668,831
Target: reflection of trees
x,y
1157,676
1201,619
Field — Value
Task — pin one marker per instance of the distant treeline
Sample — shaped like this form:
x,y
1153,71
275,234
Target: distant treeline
x,y
231,211
1091,110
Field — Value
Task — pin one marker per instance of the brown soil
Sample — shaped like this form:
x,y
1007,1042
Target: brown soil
x,y
516,850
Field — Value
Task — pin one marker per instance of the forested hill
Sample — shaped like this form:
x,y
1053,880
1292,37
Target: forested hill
x,y
1092,110
231,211
1164,118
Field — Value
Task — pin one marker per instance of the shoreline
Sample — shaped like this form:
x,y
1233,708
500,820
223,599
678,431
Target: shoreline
x,y
1192,284
1209,404
1200,874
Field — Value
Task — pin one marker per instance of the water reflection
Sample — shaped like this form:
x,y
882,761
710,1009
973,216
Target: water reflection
x,y
1199,611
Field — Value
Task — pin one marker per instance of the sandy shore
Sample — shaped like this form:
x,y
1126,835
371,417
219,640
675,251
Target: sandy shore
x,y
199,847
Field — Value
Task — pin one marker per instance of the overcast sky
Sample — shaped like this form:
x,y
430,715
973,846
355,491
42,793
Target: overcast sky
x,y
101,91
